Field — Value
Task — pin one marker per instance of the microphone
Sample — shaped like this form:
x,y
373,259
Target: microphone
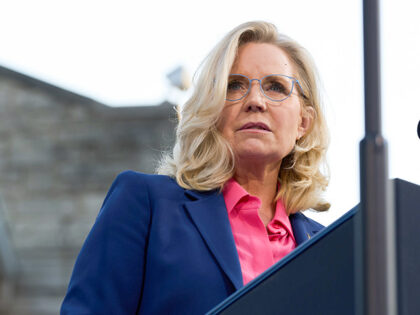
x,y
418,129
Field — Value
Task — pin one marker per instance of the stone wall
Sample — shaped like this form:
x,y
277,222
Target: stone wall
x,y
59,153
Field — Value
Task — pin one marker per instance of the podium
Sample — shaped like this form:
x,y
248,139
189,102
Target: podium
x,y
318,277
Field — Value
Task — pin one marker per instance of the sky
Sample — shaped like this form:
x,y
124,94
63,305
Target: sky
x,y
119,53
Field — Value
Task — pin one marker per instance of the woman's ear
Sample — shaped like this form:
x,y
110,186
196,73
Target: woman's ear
x,y
307,116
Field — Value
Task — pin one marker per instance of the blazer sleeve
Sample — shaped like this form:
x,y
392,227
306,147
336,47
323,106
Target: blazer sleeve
x,y
109,271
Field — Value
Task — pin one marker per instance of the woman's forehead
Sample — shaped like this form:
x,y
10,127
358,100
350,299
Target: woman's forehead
x,y
260,59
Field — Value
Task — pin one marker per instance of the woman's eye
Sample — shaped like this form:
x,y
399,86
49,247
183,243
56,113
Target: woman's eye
x,y
235,85
276,87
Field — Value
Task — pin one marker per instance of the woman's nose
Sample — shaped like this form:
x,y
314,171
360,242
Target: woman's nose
x,y
255,100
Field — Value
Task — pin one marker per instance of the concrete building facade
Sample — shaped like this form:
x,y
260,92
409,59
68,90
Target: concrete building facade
x,y
59,153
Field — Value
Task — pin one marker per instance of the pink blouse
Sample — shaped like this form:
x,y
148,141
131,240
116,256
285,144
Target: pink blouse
x,y
258,247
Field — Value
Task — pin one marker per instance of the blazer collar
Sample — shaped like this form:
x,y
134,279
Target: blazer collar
x,y
209,214
301,229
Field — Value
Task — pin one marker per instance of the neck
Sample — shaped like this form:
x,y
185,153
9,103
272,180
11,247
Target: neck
x,y
260,181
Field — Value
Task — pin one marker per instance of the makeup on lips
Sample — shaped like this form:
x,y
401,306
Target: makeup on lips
x,y
255,127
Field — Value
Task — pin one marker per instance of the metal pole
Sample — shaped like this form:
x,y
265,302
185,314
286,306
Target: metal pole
x,y
375,233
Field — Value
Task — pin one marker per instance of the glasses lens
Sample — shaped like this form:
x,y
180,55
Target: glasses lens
x,y
237,87
277,87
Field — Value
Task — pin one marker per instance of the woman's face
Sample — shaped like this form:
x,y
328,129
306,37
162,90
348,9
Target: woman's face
x,y
256,127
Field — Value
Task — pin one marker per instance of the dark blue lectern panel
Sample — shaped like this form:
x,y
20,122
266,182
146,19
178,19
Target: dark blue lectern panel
x,y
407,200
313,279
318,277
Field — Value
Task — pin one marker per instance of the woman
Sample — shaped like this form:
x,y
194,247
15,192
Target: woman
x,y
249,147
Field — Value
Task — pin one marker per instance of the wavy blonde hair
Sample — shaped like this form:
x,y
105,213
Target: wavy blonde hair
x,y
203,160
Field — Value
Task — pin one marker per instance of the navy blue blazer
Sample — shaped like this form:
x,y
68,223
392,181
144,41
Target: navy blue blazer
x,y
157,248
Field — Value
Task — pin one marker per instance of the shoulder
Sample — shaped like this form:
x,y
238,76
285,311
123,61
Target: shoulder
x,y
132,180
146,185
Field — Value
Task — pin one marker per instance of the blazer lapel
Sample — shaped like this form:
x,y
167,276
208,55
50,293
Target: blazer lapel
x,y
301,231
210,216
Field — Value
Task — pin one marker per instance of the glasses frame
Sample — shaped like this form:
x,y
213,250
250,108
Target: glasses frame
x,y
262,91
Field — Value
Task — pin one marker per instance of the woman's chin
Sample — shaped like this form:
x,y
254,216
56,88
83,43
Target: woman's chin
x,y
256,154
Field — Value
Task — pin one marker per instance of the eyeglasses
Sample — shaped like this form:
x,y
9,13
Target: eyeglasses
x,y
276,87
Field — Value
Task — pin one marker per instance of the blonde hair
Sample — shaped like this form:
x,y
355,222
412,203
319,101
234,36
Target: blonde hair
x,y
203,160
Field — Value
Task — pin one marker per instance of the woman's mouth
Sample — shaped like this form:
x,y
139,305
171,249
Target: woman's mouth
x,y
255,126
